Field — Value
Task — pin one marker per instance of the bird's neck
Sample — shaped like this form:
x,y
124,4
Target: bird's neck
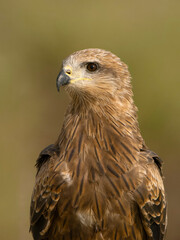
x,y
93,119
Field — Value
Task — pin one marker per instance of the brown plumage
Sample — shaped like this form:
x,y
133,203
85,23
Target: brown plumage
x,y
99,180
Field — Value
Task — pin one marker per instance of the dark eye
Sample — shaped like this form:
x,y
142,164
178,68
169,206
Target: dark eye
x,y
92,67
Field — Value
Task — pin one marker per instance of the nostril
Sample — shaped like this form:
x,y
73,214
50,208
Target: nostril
x,y
68,72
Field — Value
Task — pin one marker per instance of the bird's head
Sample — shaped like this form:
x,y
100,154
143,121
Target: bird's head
x,y
94,74
91,68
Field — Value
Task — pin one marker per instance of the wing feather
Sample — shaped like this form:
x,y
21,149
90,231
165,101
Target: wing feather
x,y
46,192
150,196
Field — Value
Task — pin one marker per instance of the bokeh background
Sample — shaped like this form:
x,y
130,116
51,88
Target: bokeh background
x,y
35,36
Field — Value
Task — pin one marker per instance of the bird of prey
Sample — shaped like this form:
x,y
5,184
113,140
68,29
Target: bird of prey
x,y
98,180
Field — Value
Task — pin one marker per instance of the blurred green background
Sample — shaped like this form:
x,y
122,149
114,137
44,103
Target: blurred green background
x,y
35,36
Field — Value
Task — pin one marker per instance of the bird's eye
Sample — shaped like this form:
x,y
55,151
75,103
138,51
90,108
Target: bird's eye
x,y
92,67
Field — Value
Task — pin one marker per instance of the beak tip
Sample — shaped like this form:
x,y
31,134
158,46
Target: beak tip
x,y
57,85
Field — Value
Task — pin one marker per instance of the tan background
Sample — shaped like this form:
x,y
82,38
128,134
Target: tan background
x,y
34,38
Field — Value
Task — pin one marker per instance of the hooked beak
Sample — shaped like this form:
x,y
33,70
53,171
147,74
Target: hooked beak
x,y
62,79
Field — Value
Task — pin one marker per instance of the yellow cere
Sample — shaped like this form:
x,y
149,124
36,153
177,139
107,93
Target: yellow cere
x,y
68,70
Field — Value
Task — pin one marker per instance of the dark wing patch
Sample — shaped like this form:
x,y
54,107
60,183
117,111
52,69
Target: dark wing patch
x,y
46,154
156,231
46,192
158,162
152,156
150,197
38,227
